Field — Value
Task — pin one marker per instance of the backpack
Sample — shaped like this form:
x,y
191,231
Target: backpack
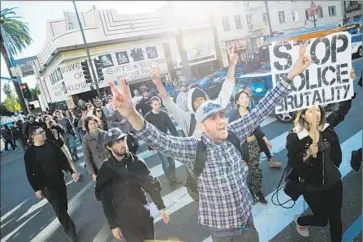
x,y
193,123
191,182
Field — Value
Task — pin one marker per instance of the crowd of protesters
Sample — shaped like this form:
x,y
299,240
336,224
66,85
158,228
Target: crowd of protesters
x,y
108,131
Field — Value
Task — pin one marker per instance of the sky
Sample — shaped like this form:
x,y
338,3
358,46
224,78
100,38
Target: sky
x,y
37,13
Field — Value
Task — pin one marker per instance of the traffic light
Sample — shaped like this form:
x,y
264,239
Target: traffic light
x,y
99,69
25,89
31,107
86,71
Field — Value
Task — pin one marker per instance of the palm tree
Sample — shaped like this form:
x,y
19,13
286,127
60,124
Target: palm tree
x,y
14,38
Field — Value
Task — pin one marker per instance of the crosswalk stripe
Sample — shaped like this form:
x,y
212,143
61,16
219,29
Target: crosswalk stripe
x,y
176,199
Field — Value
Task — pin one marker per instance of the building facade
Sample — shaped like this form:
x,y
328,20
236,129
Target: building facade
x,y
352,10
296,15
126,45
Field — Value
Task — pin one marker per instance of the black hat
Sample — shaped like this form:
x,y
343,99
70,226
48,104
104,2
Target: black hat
x,y
198,93
113,135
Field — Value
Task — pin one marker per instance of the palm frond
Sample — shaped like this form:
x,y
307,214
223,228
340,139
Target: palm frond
x,y
14,32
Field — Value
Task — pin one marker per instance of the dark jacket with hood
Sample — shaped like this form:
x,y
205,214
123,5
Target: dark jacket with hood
x,y
258,133
120,186
313,171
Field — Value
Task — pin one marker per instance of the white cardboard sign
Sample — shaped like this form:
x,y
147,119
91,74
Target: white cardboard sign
x,y
327,80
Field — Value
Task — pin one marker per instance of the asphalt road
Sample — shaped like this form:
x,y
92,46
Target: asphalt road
x,y
25,218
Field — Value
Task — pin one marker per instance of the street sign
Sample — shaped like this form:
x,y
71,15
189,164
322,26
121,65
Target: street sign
x,y
16,71
12,61
17,107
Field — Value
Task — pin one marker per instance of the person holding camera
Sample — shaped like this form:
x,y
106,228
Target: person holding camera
x,y
54,133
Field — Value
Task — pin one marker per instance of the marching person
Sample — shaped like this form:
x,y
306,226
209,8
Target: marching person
x,y
98,112
196,97
44,163
144,104
264,144
69,136
315,166
162,122
121,181
242,100
54,132
93,147
182,98
356,158
27,125
8,137
225,203
18,134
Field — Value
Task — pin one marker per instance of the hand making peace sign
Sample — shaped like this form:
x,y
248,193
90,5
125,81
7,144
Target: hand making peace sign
x,y
233,57
121,98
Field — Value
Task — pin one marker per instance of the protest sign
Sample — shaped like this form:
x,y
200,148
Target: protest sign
x,y
327,78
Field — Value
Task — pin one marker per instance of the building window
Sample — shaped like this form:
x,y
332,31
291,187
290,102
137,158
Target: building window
x,y
320,12
332,11
295,15
238,21
70,26
226,25
281,17
249,18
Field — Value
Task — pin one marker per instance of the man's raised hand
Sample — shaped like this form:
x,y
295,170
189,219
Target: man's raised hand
x,y
155,74
233,57
121,99
302,62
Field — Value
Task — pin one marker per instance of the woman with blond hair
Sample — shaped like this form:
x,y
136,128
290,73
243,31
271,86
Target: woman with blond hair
x,y
315,167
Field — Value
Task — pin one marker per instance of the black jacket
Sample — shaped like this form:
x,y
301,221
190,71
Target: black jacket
x,y
311,170
257,133
120,186
132,144
144,105
35,174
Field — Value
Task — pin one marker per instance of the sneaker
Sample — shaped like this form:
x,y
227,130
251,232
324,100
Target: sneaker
x,y
274,164
355,161
302,230
260,197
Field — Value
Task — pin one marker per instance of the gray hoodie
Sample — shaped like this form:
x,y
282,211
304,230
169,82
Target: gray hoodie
x,y
184,118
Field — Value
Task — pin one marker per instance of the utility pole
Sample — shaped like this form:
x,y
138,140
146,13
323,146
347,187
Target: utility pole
x,y
314,10
87,51
268,17
181,47
216,41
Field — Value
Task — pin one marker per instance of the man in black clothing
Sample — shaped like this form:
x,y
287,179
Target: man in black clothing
x,y
162,122
145,103
356,158
44,162
120,185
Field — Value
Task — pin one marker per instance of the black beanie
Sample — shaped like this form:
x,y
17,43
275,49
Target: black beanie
x,y
198,93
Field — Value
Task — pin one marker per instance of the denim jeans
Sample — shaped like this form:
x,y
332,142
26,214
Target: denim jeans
x,y
168,165
248,233
71,144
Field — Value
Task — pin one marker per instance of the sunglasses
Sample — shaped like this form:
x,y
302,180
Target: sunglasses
x,y
41,132
98,111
